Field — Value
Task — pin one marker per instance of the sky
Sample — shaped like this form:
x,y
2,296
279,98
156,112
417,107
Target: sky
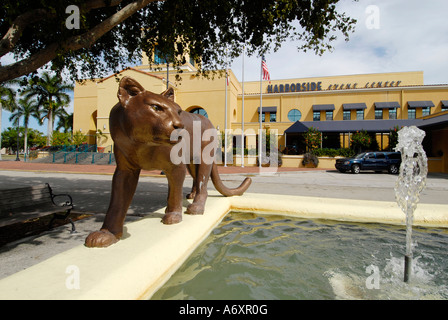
x,y
403,35
390,36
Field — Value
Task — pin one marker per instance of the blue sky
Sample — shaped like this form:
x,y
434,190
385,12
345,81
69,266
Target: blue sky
x,y
390,36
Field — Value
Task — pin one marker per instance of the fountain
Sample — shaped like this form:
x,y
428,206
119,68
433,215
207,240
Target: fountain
x,y
411,181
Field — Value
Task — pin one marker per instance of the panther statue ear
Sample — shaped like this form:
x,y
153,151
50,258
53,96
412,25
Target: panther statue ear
x,y
128,88
168,93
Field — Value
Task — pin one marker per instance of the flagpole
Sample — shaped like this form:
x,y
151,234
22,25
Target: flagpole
x,y
225,117
242,114
260,114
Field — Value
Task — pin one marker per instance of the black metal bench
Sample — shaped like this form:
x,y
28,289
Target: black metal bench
x,y
20,204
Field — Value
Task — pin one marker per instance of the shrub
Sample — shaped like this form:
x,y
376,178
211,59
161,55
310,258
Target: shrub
x,y
393,137
313,139
360,141
347,152
310,158
327,152
61,138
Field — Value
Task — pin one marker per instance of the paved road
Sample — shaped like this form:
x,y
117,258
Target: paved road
x,y
332,184
91,194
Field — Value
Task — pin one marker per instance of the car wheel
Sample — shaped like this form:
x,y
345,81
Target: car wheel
x,y
393,169
355,168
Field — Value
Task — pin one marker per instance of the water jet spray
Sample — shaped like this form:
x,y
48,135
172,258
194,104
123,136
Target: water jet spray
x,y
411,181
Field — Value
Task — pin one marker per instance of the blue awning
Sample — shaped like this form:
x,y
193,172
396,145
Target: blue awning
x,y
323,107
420,104
345,126
439,121
387,105
354,106
268,109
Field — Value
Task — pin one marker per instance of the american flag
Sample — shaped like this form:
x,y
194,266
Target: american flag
x,y
266,75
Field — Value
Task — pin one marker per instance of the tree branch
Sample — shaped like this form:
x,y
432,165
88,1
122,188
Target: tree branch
x,y
89,38
95,4
19,24
74,43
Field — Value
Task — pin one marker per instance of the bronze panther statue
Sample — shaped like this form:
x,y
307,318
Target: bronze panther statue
x,y
141,124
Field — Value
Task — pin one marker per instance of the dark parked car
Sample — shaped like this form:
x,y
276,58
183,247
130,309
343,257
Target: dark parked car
x,y
377,161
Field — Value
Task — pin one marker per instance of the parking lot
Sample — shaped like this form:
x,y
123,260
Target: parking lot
x,y
366,185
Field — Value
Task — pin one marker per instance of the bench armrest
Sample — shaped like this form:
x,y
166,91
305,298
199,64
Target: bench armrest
x,y
68,202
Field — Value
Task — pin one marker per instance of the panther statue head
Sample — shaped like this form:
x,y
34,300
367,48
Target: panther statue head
x,y
149,118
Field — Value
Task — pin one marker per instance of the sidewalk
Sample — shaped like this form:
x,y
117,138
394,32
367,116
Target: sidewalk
x,y
109,169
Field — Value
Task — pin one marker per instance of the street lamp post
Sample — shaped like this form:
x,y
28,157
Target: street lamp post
x,y
18,136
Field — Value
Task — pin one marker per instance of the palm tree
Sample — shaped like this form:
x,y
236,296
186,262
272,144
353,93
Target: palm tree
x,y
26,108
7,99
49,90
65,121
58,111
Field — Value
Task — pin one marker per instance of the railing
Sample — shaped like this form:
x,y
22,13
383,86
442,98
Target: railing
x,y
74,154
104,158
84,154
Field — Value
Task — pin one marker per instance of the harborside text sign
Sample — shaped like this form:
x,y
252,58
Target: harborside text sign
x,y
317,86
295,87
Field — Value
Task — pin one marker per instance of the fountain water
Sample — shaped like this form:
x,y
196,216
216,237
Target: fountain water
x,y
411,181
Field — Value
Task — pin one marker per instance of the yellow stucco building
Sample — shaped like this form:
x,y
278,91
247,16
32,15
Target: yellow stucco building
x,y
336,105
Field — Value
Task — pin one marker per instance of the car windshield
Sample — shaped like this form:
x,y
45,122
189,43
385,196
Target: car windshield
x,y
361,155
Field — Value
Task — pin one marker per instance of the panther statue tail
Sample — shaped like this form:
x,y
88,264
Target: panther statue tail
x,y
228,192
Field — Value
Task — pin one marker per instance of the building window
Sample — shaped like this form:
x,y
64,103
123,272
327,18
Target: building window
x,y
316,116
411,113
200,111
392,114
158,57
360,114
426,111
263,117
378,114
272,117
329,115
294,115
346,115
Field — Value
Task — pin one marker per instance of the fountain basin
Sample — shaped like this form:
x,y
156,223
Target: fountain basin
x,y
137,266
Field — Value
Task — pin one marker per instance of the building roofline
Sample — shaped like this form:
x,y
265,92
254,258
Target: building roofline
x,y
342,75
345,126
133,69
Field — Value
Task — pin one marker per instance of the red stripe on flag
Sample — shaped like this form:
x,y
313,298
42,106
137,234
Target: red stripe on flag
x,y
266,75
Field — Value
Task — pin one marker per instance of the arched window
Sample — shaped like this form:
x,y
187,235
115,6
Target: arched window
x,y
200,111
294,115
